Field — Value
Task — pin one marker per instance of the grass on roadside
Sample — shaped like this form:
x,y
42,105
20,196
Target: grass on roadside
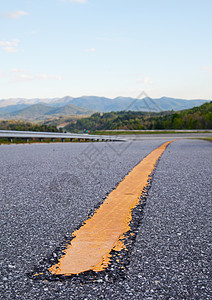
x,y
209,139
35,141
129,132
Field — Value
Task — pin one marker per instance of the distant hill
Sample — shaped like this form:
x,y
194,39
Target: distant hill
x,y
31,112
68,109
41,111
12,108
17,101
195,118
62,101
103,104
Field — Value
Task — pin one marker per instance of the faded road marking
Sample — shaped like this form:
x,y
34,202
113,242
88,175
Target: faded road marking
x,y
92,243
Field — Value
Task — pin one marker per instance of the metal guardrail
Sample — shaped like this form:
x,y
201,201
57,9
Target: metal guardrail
x,y
10,134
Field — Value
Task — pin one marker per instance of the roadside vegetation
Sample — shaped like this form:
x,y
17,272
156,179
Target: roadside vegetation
x,y
195,118
209,139
123,122
133,132
62,121
26,126
7,141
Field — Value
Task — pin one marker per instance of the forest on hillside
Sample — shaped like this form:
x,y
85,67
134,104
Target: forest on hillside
x,y
26,126
196,118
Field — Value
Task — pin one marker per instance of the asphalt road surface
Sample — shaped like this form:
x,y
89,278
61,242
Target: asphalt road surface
x,y
48,190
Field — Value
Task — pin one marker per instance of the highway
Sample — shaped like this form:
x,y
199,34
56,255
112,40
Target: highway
x,y
10,134
47,191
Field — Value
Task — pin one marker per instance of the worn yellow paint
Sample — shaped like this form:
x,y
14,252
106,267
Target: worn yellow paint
x,y
92,243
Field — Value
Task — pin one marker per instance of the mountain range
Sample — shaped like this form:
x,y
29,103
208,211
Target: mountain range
x,y
41,109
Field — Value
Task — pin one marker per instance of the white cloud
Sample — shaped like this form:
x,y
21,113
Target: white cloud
x,y
12,43
47,76
19,75
10,49
33,32
23,77
145,80
10,46
78,1
16,14
207,69
2,74
18,71
90,50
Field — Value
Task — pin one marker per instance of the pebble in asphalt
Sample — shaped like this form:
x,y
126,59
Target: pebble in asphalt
x,y
46,191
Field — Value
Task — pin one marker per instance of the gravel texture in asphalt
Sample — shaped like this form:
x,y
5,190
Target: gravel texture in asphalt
x,y
47,191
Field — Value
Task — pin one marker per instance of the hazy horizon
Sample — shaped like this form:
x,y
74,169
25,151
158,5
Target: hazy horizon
x,y
51,98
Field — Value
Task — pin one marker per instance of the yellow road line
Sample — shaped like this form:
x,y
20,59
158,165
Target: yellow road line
x,y
92,243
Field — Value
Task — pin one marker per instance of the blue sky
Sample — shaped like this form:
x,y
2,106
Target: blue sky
x,y
53,48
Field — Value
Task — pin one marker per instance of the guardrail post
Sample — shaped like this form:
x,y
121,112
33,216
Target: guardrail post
x,y
52,140
62,140
11,140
